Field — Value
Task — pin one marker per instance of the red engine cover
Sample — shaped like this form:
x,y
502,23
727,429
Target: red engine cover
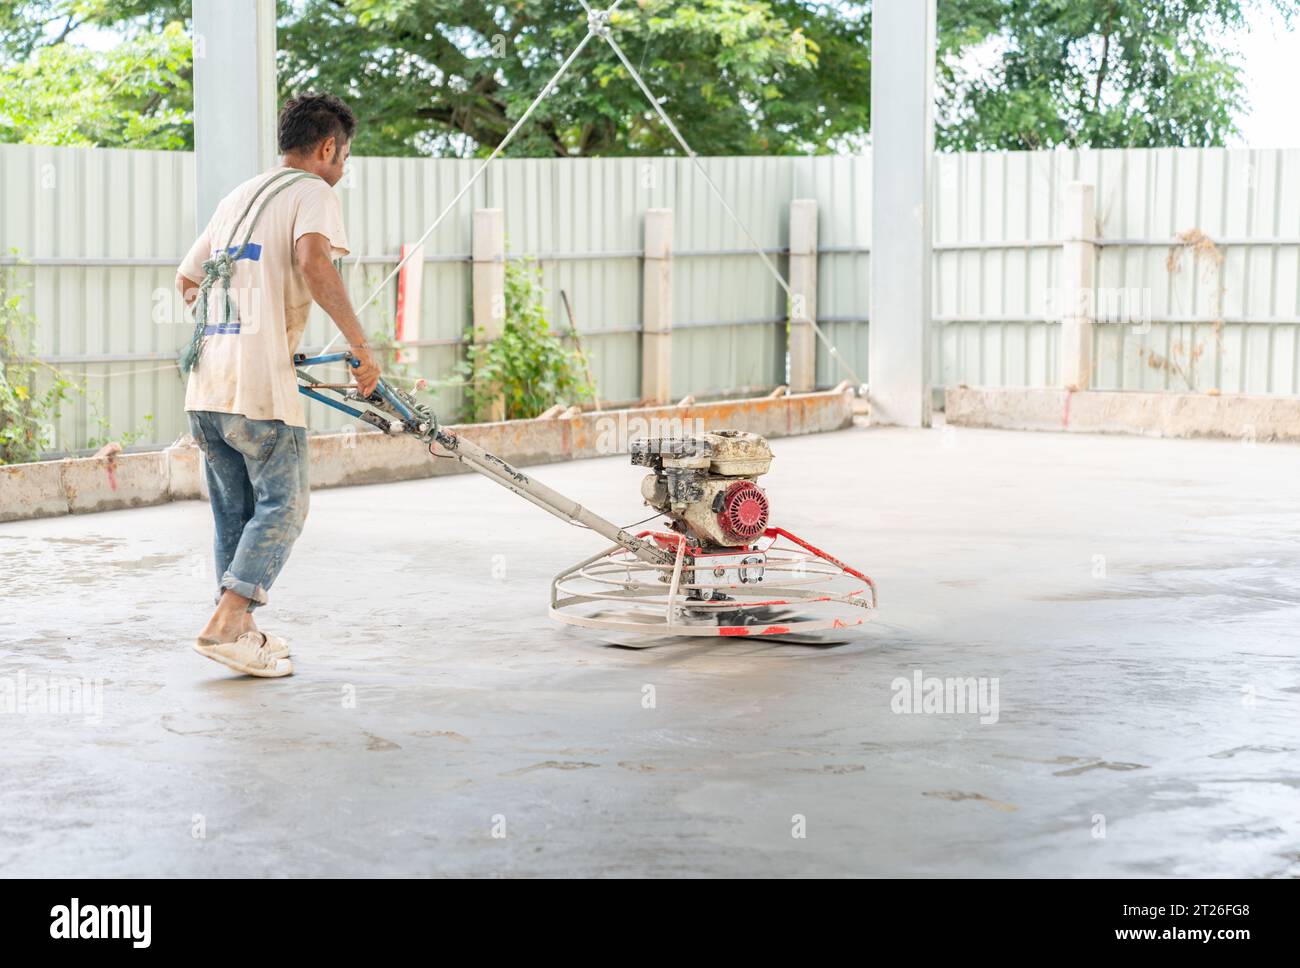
x,y
744,510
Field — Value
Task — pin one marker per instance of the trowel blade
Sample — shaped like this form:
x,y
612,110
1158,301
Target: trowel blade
x,y
754,618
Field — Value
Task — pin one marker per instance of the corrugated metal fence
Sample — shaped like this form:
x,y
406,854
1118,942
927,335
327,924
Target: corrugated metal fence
x,y
1198,268
102,230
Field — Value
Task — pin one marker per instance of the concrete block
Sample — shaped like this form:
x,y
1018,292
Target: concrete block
x,y
112,483
32,491
185,476
369,457
1247,417
51,488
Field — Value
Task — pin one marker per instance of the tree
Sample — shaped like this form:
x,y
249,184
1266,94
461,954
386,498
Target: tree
x,y
741,76
136,94
738,76
1091,73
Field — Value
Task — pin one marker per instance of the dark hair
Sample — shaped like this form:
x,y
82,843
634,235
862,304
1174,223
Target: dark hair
x,y
308,119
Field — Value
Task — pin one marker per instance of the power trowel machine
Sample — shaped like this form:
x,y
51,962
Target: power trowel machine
x,y
718,567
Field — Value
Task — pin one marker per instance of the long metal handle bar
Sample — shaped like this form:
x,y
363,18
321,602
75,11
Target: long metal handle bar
x,y
548,499
386,410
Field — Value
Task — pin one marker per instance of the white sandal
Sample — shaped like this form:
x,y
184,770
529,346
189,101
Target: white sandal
x,y
275,646
253,654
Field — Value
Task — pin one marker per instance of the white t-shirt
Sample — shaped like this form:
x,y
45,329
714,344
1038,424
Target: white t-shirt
x,y
247,366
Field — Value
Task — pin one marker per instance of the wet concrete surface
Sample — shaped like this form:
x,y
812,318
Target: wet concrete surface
x,y
1136,602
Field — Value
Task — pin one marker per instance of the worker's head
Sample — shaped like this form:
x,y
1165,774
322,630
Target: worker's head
x,y
315,133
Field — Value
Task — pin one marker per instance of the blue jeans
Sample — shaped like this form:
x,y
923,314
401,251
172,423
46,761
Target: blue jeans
x,y
258,487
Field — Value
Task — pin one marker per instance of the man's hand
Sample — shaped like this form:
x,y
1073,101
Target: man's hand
x,y
367,374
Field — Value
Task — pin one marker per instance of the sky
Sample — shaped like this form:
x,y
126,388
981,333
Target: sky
x,y
1270,55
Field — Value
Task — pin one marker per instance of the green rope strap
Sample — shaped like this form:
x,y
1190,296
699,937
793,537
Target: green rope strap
x,y
222,265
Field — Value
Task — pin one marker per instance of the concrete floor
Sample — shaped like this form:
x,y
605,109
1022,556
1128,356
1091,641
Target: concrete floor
x,y
1163,696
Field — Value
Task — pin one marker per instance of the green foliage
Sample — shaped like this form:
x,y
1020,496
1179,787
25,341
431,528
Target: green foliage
x,y
27,412
136,94
385,349
26,26
32,393
528,364
442,76
105,431
382,338
445,77
738,76
1090,73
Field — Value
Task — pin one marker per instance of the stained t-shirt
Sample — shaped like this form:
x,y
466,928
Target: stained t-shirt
x,y
246,366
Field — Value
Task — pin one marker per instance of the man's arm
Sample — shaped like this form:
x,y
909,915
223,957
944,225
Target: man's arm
x,y
186,283
313,251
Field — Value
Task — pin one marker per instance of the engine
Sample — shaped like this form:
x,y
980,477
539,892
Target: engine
x,y
706,484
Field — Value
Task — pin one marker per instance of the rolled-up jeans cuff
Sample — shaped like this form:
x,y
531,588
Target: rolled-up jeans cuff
x,y
256,594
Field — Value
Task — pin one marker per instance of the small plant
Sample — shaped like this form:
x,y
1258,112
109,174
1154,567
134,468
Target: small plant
x,y
32,393
386,350
105,435
382,340
27,414
527,366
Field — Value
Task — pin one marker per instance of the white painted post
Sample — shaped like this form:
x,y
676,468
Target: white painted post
x,y
489,284
234,97
902,147
1078,258
803,295
657,307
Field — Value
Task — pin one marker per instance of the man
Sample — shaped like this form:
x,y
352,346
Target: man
x,y
265,255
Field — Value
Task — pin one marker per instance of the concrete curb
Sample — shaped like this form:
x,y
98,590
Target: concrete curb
x,y
86,485
1239,416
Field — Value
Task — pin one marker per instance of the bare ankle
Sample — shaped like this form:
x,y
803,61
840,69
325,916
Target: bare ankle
x,y
231,619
